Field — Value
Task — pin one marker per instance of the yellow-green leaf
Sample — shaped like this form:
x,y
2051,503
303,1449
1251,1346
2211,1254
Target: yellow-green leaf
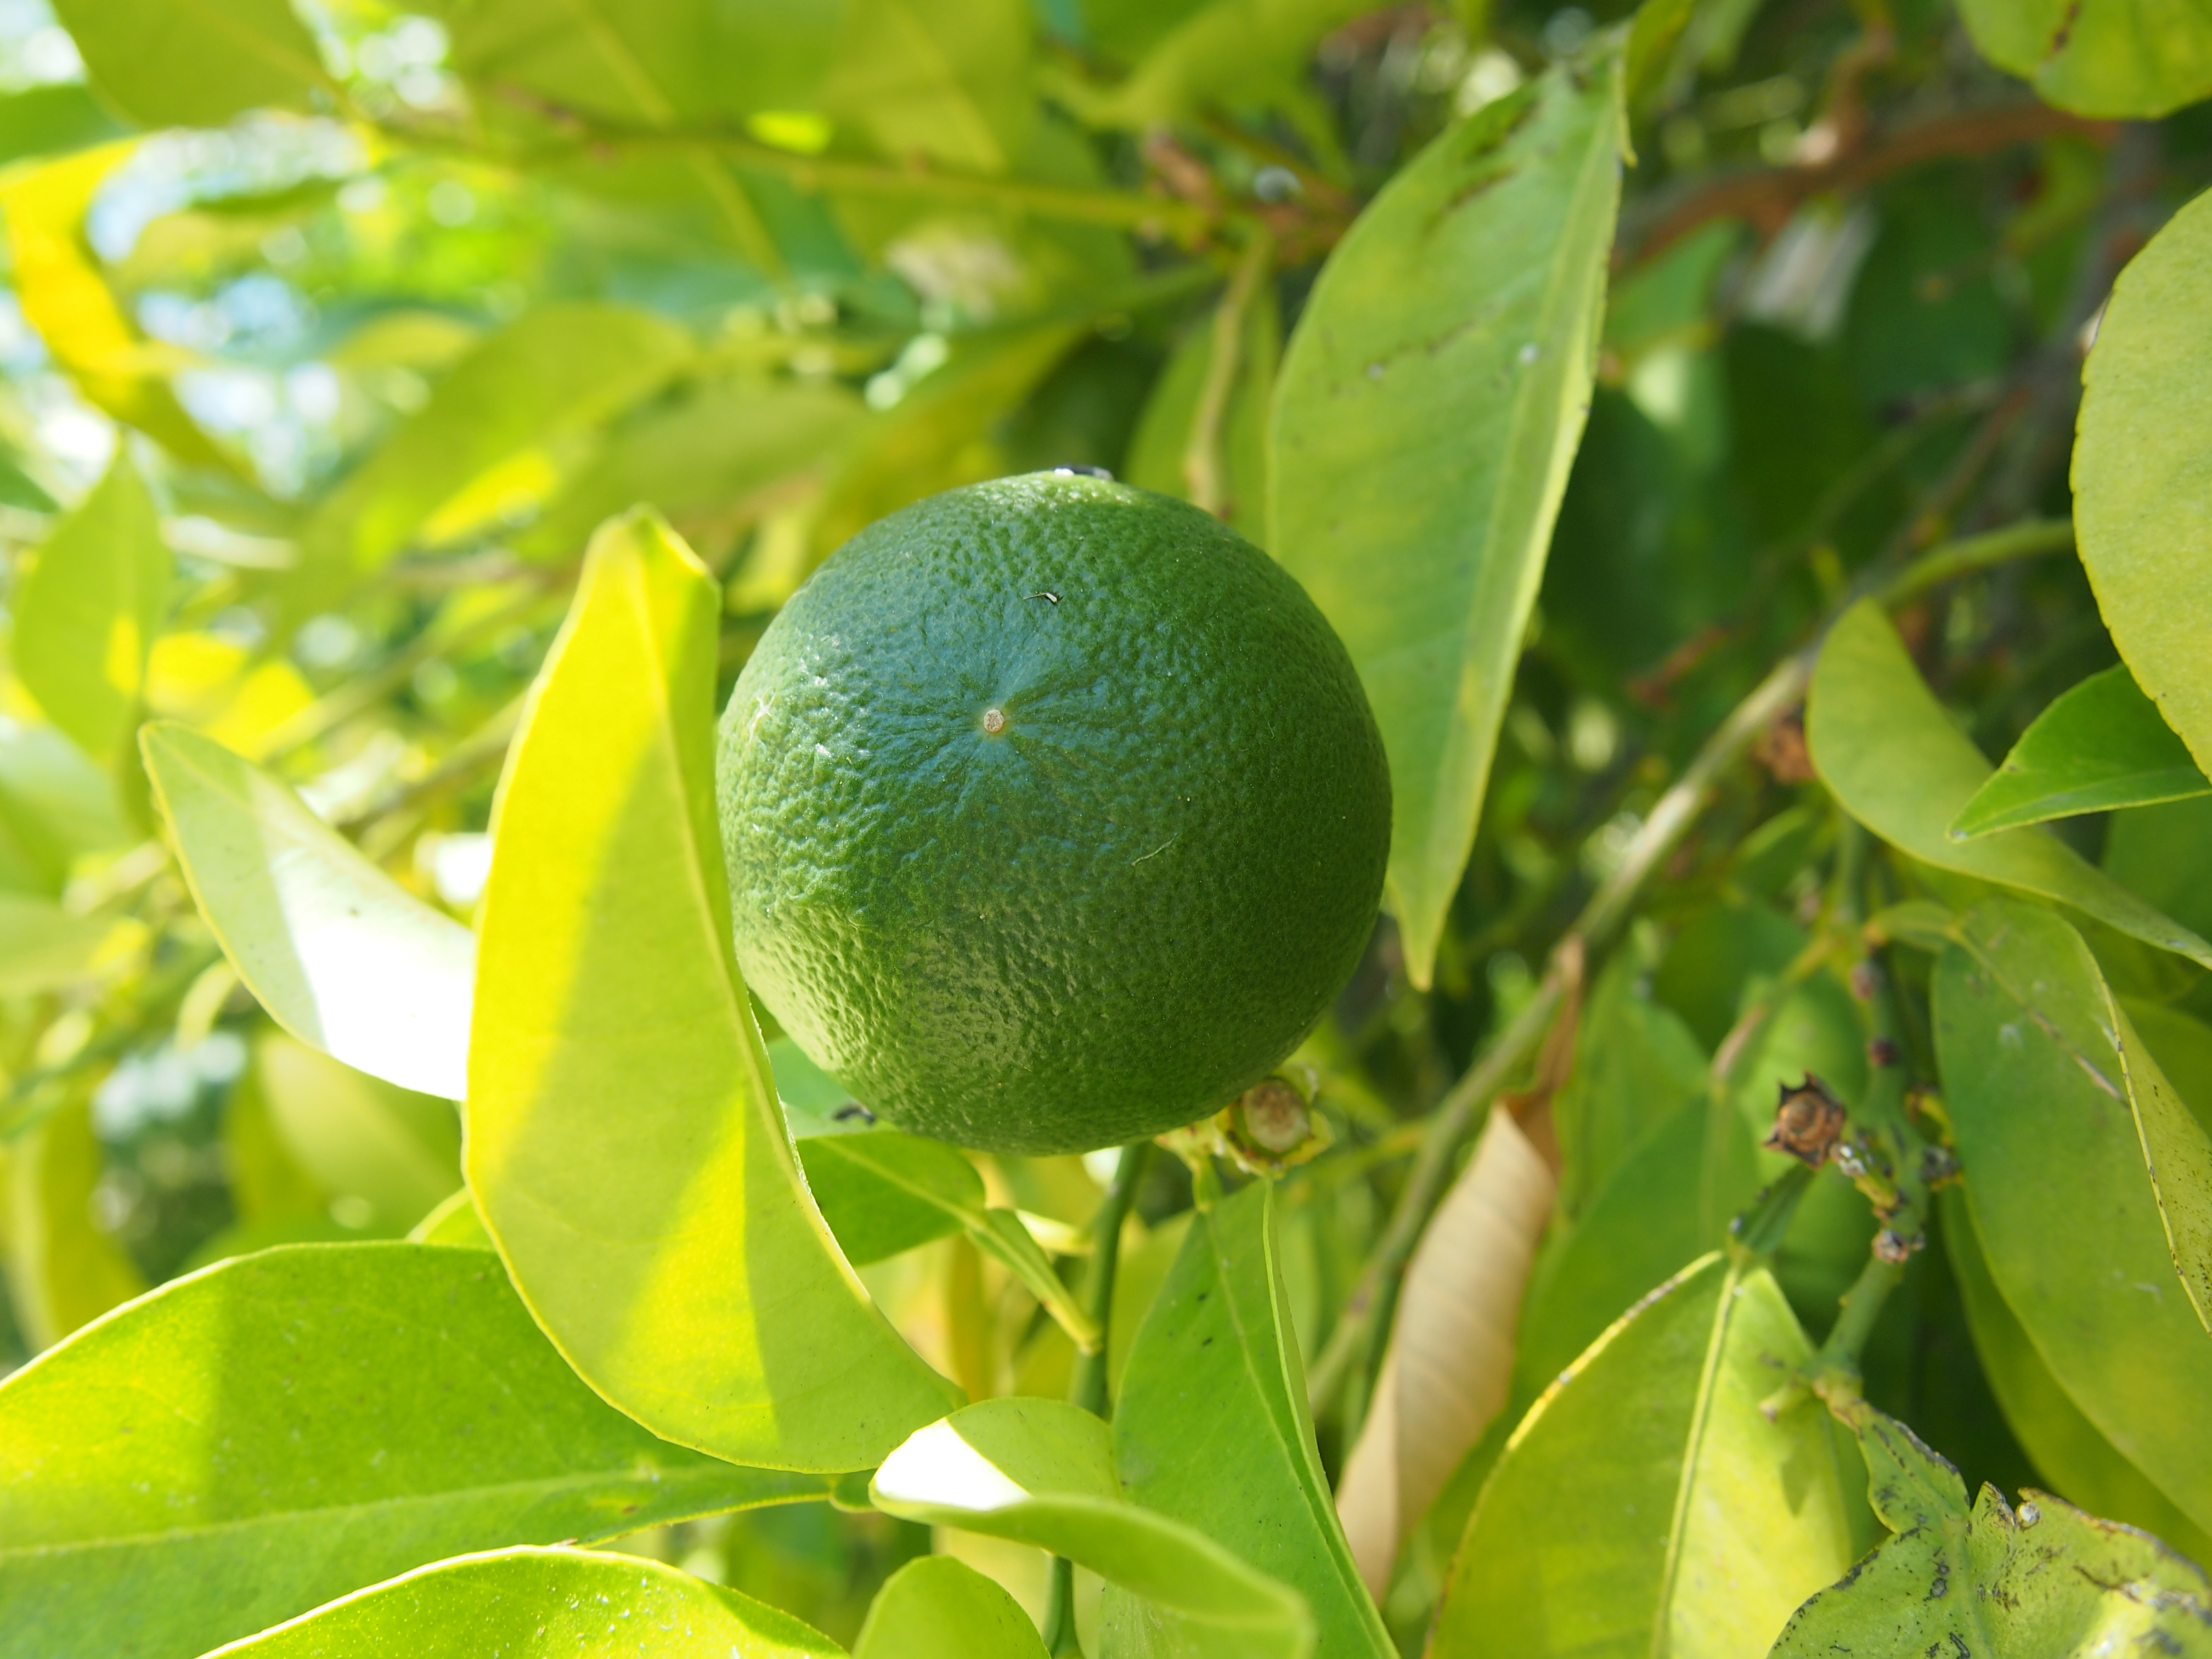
x,y
165,64
940,1608
625,1146
63,1271
2112,58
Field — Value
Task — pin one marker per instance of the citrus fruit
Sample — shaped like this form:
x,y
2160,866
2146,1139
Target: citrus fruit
x,y
1055,815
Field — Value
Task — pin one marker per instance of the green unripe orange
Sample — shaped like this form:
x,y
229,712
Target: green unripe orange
x,y
1055,815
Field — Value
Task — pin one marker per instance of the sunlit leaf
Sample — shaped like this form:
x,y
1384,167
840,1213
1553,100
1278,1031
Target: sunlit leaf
x,y
1898,764
56,805
624,1144
43,947
2102,58
940,1608
1243,1468
2143,506
65,298
168,66
1428,407
2042,1582
341,955
542,1604
250,1442
52,120
88,614
2100,746
1647,1504
1038,1472
949,82
61,1271
2038,1090
563,366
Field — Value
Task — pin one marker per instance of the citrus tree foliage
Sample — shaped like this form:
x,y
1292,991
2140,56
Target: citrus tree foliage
x,y
1754,1194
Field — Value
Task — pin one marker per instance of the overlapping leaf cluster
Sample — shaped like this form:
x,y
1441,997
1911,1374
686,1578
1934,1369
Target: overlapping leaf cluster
x,y
1759,459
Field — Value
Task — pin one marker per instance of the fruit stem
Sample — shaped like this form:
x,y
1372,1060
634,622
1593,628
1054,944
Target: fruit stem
x,y
1087,1389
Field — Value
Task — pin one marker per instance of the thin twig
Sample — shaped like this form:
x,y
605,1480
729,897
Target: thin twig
x,y
1203,469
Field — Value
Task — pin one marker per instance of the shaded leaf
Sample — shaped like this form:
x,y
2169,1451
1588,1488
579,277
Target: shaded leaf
x,y
541,1604
88,614
58,282
1237,54
1160,448
883,1192
2066,1447
2100,746
164,64
61,1271
1446,1371
624,1143
1428,407
2143,508
1041,1473
948,82
561,368
2036,1084
43,947
252,1441
940,1608
1211,1428
2102,58
341,955
52,120
2046,1582
1647,1505
56,805
1896,762
359,1137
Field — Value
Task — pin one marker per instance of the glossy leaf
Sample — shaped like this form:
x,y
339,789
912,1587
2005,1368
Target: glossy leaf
x,y
624,1144
940,1608
1212,1428
66,299
43,947
2066,1447
252,1441
562,368
166,65
2099,747
1428,407
2112,58
61,1271
358,1136
1446,1373
1897,763
2044,1582
2036,1077
1647,1505
1041,1473
89,612
341,955
2143,508
542,1604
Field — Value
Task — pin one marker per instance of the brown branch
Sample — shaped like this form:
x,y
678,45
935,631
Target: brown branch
x,y
1765,198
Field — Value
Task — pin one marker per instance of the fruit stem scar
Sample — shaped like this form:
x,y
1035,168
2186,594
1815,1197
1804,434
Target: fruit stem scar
x,y
994,720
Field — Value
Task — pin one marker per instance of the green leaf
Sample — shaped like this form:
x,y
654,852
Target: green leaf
x,y
43,947
90,610
1647,1504
542,1604
61,1271
2100,746
1429,408
1636,1061
57,282
2047,1581
56,804
714,451
1883,744
252,1441
1039,1472
2142,502
1241,1467
341,955
948,82
562,368
2181,1043
2037,1070
2065,1446
1237,54
358,1136
52,120
940,1608
454,1225
164,64
2156,852
2113,59
1160,447
624,1144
